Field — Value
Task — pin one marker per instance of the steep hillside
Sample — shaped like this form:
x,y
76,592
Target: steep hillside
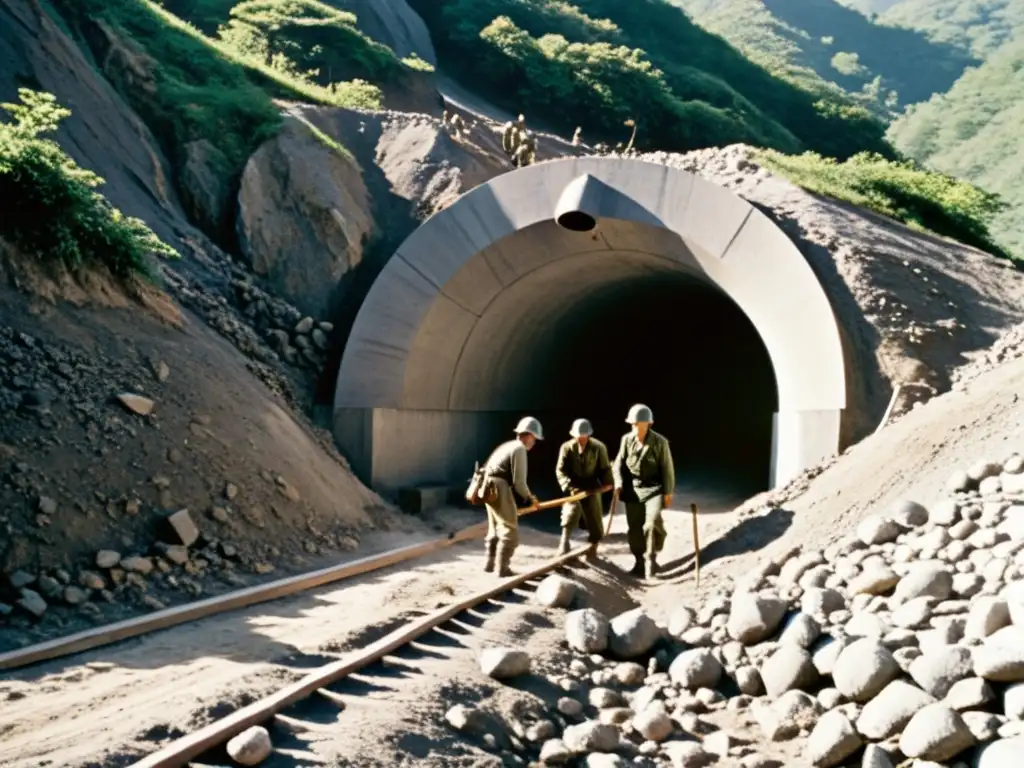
x,y
883,66
981,26
974,132
614,61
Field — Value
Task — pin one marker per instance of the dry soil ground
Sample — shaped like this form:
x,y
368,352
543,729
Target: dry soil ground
x,y
121,700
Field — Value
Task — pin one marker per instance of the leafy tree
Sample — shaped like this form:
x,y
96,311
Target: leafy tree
x,y
50,206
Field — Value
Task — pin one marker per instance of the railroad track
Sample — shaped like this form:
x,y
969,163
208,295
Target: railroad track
x,y
208,741
200,609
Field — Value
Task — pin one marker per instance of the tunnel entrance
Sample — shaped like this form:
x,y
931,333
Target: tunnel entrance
x,y
675,344
576,288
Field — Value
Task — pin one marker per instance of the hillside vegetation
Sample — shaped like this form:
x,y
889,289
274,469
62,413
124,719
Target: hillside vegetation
x,y
612,61
981,26
51,209
821,42
974,132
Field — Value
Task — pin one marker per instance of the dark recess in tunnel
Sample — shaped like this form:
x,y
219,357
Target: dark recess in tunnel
x,y
677,345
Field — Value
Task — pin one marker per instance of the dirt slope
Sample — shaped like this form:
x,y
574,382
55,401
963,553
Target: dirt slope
x,y
912,307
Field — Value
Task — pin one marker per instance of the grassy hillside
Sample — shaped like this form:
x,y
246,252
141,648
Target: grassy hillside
x,y
822,41
612,61
974,132
981,26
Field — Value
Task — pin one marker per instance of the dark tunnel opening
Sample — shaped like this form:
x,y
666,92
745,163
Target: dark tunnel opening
x,y
679,346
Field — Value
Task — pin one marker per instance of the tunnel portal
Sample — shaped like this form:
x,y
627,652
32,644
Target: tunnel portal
x,y
575,288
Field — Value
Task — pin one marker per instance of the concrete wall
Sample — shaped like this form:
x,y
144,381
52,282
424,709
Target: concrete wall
x,y
429,352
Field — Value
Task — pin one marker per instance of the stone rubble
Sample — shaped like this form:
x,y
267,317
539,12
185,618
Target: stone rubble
x,y
900,645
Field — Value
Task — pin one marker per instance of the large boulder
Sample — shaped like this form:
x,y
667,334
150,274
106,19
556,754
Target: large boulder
x,y
303,214
632,634
586,630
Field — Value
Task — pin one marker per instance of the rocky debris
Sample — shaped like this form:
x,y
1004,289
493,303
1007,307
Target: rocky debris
x,y
872,650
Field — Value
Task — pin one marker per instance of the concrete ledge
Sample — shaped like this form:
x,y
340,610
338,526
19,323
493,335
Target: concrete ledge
x,y
416,501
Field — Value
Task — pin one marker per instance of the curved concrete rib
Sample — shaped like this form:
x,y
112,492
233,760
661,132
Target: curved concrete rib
x,y
401,385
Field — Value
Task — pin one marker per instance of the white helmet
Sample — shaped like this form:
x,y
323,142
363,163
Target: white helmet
x,y
529,425
639,412
581,428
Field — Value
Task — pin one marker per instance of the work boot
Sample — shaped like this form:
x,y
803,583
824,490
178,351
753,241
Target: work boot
x,y
563,544
505,552
650,567
638,567
492,552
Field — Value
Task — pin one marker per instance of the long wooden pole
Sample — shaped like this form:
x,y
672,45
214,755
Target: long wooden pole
x,y
178,753
888,411
696,541
170,617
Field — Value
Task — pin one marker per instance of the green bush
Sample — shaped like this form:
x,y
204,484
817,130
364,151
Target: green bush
x,y
49,206
318,39
203,88
903,190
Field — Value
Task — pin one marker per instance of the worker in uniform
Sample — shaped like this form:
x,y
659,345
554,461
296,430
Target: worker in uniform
x,y
526,153
645,479
506,470
576,137
583,465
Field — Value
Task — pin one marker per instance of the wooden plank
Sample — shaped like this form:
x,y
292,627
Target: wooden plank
x,y
211,606
179,752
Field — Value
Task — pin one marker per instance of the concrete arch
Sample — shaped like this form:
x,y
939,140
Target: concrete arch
x,y
424,383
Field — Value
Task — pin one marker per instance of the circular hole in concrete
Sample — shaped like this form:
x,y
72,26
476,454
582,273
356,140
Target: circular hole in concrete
x,y
577,221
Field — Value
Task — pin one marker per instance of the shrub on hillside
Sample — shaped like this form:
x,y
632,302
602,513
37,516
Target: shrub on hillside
x,y
318,39
50,207
903,190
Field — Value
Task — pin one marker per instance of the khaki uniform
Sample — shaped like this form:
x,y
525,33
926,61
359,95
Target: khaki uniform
x,y
645,473
507,469
584,470
510,138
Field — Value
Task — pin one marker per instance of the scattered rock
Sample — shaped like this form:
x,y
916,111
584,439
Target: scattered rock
x,y
142,406
863,669
832,740
891,710
503,663
107,558
251,747
632,634
556,592
586,630
753,617
937,733
696,668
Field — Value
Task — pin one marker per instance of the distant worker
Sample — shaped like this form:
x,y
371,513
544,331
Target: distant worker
x,y
526,152
576,136
506,469
444,118
645,479
583,465
458,124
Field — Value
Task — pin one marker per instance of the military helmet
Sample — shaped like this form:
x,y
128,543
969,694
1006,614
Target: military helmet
x,y
581,428
639,412
530,425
